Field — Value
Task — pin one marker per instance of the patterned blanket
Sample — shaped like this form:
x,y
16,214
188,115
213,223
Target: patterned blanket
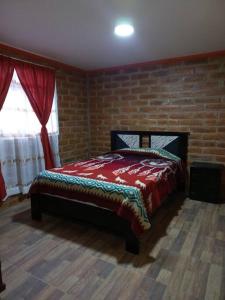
x,y
132,183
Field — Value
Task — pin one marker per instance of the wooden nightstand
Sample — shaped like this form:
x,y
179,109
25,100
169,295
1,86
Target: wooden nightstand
x,y
205,181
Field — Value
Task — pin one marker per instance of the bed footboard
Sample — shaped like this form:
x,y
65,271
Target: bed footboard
x,y
97,216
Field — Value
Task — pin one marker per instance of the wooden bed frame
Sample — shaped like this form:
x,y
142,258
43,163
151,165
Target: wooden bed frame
x,y
174,142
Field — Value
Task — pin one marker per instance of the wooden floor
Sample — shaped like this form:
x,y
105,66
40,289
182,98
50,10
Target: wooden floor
x,y
182,257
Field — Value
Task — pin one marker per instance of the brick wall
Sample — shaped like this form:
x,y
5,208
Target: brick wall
x,y
73,116
181,97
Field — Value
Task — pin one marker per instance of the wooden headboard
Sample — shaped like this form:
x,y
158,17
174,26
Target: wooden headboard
x,y
174,142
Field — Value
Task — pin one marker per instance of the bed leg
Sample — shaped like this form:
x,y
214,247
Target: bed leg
x,y
2,285
35,208
132,243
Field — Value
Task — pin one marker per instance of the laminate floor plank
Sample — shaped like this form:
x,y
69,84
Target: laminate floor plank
x,y
182,257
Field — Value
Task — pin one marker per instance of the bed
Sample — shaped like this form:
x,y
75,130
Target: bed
x,y
119,190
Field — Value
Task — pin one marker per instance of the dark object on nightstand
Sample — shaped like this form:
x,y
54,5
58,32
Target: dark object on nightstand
x,y
2,285
205,182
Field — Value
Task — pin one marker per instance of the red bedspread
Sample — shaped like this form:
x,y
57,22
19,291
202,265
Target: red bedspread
x,y
153,173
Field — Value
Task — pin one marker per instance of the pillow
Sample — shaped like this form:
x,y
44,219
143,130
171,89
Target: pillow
x,y
159,151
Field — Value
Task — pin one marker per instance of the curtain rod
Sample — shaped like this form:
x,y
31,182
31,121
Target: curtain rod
x,y
27,61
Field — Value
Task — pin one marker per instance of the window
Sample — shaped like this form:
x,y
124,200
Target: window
x,y
21,151
17,117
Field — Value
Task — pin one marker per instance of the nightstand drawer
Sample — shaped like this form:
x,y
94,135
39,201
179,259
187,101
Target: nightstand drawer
x,y
215,185
205,182
209,195
205,176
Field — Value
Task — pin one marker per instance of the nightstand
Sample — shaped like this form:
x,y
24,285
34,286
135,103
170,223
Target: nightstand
x,y
205,181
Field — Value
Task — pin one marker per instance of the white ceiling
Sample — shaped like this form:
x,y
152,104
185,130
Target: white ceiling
x,y
80,32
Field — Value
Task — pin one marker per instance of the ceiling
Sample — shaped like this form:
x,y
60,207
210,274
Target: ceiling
x,y
80,32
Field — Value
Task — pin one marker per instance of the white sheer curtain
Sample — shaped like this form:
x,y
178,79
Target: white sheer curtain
x,y
21,152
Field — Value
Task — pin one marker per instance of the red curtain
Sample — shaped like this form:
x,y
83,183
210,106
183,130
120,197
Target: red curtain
x,y
39,84
6,73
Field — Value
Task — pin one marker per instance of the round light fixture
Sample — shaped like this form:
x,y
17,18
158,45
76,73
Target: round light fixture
x,y
124,30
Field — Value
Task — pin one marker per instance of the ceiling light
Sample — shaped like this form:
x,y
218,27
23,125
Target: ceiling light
x,y
124,30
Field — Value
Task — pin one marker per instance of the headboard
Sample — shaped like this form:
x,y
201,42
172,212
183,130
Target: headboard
x,y
174,142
